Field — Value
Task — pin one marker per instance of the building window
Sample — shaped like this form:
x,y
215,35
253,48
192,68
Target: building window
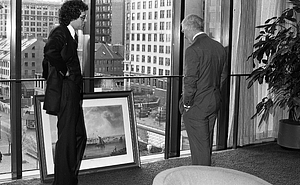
x,y
149,48
132,57
143,37
138,5
168,49
161,72
138,16
150,15
162,14
149,59
143,69
154,59
150,4
154,72
161,49
167,61
149,37
161,61
161,37
162,26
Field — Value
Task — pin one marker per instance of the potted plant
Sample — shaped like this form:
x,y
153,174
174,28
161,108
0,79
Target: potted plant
x,y
277,51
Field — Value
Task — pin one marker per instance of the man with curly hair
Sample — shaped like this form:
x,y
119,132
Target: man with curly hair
x,y
63,96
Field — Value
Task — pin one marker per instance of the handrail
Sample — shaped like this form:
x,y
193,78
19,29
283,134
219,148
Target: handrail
x,y
91,78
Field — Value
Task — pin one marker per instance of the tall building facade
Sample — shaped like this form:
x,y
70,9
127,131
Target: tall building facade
x,y
148,42
32,56
38,17
109,21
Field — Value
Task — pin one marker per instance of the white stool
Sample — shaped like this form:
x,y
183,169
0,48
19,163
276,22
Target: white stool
x,y
197,175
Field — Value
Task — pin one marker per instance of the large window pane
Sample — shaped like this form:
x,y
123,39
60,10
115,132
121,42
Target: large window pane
x,y
133,39
38,19
5,138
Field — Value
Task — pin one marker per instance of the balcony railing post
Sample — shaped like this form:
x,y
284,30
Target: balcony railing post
x,y
15,90
236,111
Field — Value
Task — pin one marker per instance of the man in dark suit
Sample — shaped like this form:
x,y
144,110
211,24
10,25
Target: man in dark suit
x,y
63,96
205,70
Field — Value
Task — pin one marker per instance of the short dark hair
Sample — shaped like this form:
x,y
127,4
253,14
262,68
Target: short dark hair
x,y
71,10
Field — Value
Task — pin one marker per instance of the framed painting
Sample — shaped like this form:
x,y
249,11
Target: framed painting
x,y
111,133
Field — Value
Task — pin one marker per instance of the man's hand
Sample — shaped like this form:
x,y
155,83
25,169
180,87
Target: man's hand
x,y
186,108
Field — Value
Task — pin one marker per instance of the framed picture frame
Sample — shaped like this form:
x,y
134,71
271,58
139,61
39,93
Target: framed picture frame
x,y
111,133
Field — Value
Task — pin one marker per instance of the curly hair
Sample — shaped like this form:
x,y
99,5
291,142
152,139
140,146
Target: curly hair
x,y
71,10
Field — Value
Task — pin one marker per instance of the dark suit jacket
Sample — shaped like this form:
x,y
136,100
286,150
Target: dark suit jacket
x,y
204,72
58,51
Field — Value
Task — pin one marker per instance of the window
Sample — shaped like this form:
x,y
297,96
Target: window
x,y
161,37
154,59
149,48
149,26
161,61
161,49
150,15
154,73
161,72
150,4
149,37
143,69
162,14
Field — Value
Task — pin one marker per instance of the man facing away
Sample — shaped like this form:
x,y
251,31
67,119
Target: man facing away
x,y
205,70
63,96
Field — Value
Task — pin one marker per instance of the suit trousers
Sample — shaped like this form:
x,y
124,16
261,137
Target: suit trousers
x,y
72,136
199,126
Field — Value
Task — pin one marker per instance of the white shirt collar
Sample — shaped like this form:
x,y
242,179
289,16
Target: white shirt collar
x,y
72,31
197,34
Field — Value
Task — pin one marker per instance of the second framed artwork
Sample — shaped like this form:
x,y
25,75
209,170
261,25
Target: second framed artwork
x,y
111,133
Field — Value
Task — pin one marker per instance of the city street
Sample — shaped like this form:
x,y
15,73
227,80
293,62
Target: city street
x,y
29,162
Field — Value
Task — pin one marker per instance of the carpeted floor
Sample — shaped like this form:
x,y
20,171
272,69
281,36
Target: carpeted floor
x,y
268,161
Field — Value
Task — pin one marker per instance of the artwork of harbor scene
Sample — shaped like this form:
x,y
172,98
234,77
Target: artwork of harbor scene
x,y
105,131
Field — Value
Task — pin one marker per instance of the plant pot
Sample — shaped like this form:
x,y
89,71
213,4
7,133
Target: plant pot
x,y
289,134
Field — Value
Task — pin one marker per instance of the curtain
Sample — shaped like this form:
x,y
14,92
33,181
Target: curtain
x,y
246,15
